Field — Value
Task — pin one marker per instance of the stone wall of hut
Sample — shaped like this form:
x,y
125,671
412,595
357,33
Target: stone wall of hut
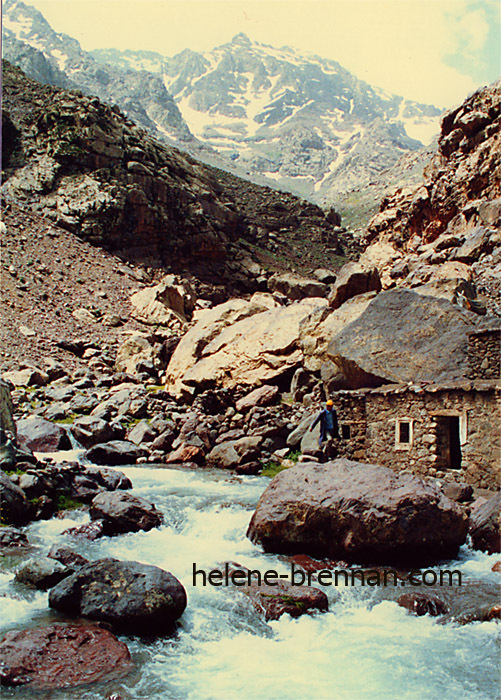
x,y
412,431
484,354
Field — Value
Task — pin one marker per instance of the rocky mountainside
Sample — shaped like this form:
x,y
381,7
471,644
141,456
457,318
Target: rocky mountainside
x,y
300,123
91,170
446,232
56,59
303,121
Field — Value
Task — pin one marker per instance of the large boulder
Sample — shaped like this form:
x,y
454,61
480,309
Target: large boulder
x,y
114,453
240,343
317,330
136,353
485,522
361,513
39,435
14,506
296,287
124,512
62,656
91,430
164,302
135,597
402,336
353,279
234,453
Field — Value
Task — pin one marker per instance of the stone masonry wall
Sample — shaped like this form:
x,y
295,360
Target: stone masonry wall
x,y
484,354
351,416
479,416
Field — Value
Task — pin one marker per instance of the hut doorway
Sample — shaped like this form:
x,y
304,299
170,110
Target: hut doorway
x,y
448,442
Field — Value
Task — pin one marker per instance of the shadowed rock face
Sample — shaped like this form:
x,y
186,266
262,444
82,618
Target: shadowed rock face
x,y
403,336
91,170
62,656
362,513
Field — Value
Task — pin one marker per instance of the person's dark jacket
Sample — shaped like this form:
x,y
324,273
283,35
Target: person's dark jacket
x,y
322,418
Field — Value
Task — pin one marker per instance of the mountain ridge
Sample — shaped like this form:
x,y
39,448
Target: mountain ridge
x,y
309,157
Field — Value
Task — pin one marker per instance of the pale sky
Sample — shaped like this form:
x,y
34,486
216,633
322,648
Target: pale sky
x,y
431,51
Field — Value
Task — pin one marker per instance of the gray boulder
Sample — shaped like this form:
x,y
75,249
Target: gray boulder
x,y
114,453
296,287
6,408
124,512
234,453
91,430
39,435
360,513
402,336
41,572
130,596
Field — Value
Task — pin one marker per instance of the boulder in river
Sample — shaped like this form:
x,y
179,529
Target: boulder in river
x,y
62,656
362,513
121,511
139,598
423,604
40,435
485,525
41,572
114,453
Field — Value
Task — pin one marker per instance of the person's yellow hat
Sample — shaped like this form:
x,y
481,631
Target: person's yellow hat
x,y
330,403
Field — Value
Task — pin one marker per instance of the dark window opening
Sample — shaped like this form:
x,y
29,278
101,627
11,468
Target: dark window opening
x,y
345,432
404,432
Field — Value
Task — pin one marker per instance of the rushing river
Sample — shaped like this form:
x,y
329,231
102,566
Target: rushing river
x,y
365,648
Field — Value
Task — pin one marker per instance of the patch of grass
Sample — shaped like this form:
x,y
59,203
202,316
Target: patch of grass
x,y
64,502
294,455
272,468
11,472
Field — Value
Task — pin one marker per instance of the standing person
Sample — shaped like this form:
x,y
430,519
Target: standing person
x,y
329,427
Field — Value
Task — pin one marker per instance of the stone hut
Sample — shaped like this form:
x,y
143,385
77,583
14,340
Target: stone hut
x,y
448,430
445,430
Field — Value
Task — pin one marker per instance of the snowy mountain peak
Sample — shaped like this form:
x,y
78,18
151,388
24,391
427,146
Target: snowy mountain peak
x,y
241,39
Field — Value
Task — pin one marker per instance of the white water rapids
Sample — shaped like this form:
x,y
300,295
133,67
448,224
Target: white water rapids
x,y
365,648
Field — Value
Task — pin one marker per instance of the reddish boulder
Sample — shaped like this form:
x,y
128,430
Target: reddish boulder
x,y
62,656
362,513
186,453
423,604
275,601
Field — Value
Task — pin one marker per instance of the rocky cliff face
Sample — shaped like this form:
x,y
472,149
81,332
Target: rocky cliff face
x,y
448,228
92,171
